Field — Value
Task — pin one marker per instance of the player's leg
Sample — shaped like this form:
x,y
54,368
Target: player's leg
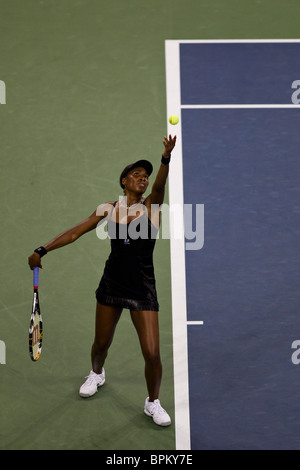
x,y
147,327
107,318
106,321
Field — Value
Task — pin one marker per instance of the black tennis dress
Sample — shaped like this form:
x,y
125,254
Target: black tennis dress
x,y
128,279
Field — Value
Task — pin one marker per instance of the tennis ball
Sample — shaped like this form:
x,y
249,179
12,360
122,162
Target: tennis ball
x,y
173,119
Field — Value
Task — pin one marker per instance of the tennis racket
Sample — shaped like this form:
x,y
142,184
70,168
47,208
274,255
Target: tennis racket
x,y
36,323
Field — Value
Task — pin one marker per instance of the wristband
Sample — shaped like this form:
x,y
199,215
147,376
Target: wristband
x,y
165,161
41,251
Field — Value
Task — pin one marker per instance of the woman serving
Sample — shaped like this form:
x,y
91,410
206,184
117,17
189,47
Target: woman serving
x,y
128,279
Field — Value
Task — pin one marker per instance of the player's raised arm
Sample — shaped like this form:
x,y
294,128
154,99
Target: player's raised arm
x,y
158,188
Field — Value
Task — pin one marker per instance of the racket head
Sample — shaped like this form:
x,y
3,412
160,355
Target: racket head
x,y
36,323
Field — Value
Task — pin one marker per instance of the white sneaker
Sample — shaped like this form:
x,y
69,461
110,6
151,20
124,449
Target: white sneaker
x,y
159,415
90,386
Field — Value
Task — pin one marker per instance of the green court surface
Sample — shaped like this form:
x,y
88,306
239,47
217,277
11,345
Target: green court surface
x,y
85,96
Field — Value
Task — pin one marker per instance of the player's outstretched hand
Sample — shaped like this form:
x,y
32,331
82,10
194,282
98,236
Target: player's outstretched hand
x,y
169,144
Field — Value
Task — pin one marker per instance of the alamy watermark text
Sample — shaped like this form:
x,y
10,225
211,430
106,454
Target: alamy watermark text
x,y
168,222
2,352
2,92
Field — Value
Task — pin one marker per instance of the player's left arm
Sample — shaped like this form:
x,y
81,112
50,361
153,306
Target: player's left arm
x,y
158,189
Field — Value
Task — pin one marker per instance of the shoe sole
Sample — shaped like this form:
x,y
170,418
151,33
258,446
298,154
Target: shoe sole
x,y
85,395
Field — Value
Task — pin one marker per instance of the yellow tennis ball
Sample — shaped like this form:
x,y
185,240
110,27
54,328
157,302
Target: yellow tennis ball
x,y
173,119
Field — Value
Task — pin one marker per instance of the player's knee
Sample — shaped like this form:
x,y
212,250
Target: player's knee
x,y
152,356
101,346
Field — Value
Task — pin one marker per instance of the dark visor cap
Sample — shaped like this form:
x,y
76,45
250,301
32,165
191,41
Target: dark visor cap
x,y
143,163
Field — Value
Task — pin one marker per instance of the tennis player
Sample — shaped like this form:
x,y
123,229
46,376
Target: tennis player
x,y
128,279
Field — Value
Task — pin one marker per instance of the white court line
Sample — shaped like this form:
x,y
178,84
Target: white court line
x,y
232,41
177,247
237,106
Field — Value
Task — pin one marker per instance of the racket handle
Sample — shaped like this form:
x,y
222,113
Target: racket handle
x,y
36,277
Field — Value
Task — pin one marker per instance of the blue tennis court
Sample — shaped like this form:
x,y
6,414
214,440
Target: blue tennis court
x,y
239,158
